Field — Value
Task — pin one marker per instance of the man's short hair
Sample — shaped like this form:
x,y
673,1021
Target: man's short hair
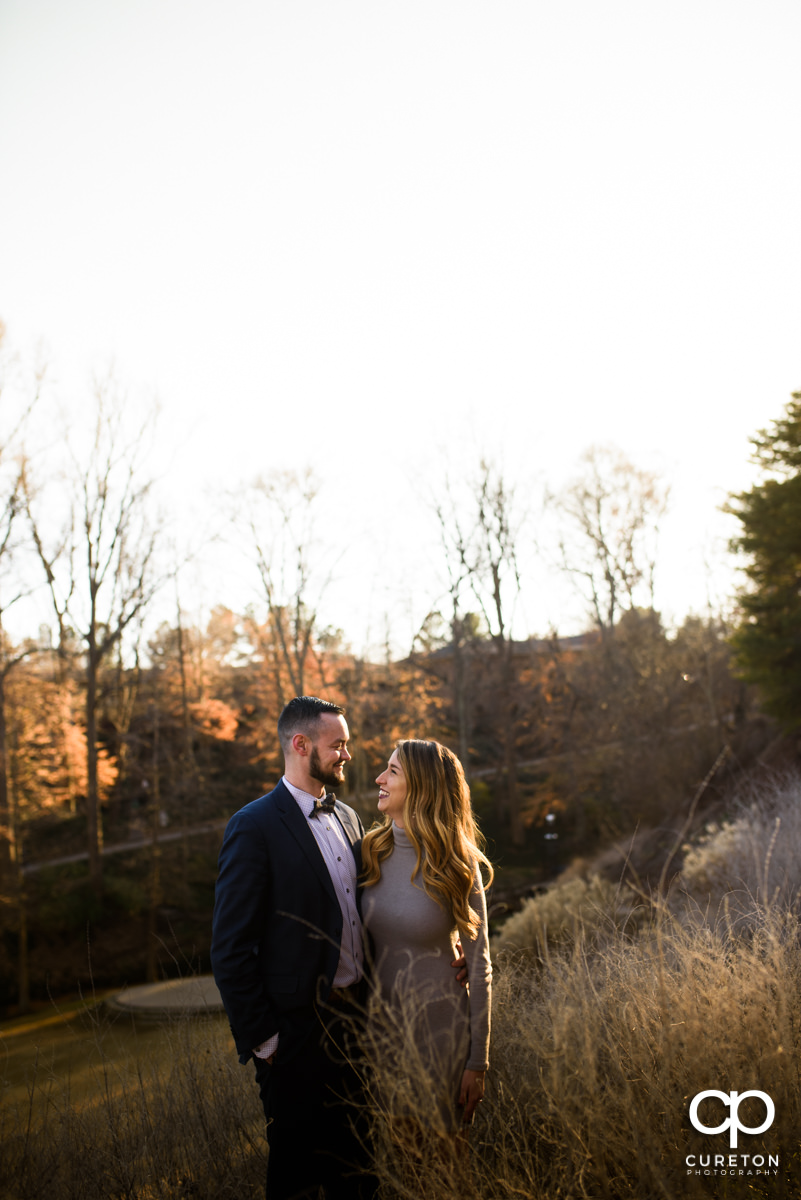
x,y
301,716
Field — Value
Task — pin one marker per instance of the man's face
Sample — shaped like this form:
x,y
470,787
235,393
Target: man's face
x,y
329,750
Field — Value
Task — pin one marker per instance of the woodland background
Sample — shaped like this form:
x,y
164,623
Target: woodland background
x,y
131,727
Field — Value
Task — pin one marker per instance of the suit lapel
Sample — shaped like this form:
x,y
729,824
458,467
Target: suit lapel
x,y
298,826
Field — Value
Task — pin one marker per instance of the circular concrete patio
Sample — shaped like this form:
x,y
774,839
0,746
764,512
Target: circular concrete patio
x,y
171,998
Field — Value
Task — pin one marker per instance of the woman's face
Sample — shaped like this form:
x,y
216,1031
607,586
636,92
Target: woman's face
x,y
392,790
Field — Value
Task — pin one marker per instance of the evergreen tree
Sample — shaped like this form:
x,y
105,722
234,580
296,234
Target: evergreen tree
x,y
767,644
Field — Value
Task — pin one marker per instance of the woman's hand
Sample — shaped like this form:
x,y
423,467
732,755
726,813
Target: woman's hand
x,y
470,1093
461,965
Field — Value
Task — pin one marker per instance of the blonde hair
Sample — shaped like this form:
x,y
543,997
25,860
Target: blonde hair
x,y
439,822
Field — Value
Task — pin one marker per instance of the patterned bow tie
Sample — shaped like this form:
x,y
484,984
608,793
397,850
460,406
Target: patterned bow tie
x,y
325,805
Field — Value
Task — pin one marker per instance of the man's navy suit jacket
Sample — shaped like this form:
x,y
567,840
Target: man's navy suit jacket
x,y
277,921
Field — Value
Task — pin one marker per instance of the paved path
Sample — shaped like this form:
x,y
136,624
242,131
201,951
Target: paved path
x,y
171,998
139,842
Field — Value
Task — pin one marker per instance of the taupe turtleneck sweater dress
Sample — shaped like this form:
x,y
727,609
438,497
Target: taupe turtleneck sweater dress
x,y
431,1028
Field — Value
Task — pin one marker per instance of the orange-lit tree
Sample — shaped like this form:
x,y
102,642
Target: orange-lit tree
x,y
101,569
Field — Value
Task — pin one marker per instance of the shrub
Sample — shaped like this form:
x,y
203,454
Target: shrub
x,y
752,859
593,907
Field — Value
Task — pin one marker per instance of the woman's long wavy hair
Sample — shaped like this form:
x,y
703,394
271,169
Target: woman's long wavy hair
x,y
439,822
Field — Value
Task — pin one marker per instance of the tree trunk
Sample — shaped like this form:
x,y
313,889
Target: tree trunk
x,y
460,692
6,825
186,724
515,817
15,866
151,970
94,828
23,978
516,827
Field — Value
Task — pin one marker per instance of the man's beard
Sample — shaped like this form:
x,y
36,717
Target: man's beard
x,y
319,772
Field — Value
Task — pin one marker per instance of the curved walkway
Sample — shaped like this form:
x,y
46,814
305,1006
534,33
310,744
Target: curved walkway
x,y
170,998
140,842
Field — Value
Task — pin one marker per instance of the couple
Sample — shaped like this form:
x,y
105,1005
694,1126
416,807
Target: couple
x,y
303,898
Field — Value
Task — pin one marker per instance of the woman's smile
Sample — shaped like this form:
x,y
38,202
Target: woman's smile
x,y
392,791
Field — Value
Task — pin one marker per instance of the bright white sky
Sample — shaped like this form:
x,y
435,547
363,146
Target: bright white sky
x,y
367,235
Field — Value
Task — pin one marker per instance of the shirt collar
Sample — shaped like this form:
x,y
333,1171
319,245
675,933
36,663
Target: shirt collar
x,y
305,800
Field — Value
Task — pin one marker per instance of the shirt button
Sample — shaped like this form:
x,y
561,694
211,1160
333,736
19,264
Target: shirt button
x,y
339,858
347,890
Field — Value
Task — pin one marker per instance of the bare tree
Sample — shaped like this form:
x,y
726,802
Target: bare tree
x,y
15,410
613,512
101,570
13,588
294,572
459,557
479,536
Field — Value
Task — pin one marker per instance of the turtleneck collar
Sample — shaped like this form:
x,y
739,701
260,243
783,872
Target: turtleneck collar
x,y
401,837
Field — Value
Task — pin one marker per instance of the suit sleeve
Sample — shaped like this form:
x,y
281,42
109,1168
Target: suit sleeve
x,y
479,975
241,903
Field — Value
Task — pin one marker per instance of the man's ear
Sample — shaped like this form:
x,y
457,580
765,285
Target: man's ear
x,y
300,744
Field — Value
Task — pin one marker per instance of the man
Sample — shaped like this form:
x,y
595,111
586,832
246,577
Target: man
x,y
288,959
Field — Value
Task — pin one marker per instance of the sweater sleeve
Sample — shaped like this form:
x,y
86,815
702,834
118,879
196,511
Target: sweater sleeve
x,y
479,968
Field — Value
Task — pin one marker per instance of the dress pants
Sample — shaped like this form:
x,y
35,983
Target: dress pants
x,y
313,1100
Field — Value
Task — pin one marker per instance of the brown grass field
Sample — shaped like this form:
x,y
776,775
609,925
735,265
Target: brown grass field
x,y
98,1106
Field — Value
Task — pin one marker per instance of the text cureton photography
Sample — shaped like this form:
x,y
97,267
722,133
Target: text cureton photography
x,y
742,1163
732,1164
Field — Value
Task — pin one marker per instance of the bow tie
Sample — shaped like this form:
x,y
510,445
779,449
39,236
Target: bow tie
x,y
325,805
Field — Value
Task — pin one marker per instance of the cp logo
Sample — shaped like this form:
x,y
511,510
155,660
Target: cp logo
x,y
733,1101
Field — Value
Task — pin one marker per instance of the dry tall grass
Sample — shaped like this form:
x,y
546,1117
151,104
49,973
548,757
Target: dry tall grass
x,y
601,1038
611,1012
596,1055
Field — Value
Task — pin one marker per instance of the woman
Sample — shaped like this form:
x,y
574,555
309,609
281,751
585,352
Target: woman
x,y
423,890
